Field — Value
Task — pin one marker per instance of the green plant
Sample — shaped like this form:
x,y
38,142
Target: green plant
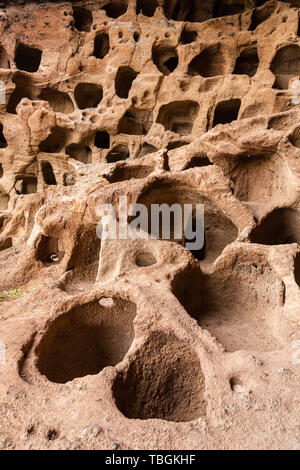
x,y
11,293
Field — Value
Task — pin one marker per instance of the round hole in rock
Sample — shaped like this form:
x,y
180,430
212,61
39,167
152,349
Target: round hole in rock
x,y
146,7
55,142
192,10
178,116
144,260
115,8
257,178
123,83
50,250
3,142
286,65
176,144
101,45
236,385
188,36
27,58
297,269
295,138
227,111
197,161
261,15
86,339
209,63
238,304
219,230
48,173
136,37
165,58
102,140
24,89
163,381
27,185
88,95
136,122
280,227
146,149
247,63
227,7
60,102
4,200
83,19
80,152
118,153
127,173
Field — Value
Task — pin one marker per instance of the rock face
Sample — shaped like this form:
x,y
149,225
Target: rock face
x,y
142,344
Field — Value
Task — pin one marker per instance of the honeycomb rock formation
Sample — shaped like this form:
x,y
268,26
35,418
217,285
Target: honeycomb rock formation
x,y
142,344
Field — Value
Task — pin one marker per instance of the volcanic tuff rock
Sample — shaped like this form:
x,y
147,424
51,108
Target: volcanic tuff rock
x,y
141,344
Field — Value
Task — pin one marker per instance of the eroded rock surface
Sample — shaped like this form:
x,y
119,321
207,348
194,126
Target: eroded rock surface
x,y
142,344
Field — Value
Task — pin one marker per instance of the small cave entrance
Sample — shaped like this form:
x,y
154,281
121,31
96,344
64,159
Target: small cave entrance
x,y
88,95
86,339
127,173
79,152
227,7
144,260
226,111
83,264
297,268
280,227
164,381
188,35
118,153
83,19
3,142
1,171
179,116
146,149
247,63
24,89
209,63
294,138
101,45
48,174
257,178
146,7
27,58
124,79
136,122
214,300
4,60
55,142
197,161
4,200
260,16
219,231
102,140
26,185
50,250
115,8
165,58
59,101
193,10
285,66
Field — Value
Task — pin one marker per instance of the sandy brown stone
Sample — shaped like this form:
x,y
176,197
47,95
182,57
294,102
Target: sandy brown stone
x,y
142,344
